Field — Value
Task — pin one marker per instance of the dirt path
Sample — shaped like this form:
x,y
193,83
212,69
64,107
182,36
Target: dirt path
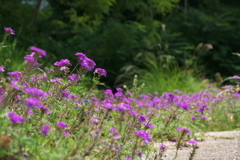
x,y
216,146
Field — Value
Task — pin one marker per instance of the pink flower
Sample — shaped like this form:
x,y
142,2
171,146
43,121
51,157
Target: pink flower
x,y
15,118
9,30
185,129
67,134
46,128
101,72
62,124
41,52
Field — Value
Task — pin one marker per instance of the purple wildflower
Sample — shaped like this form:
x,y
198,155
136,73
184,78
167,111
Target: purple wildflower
x,y
63,62
9,30
44,109
62,124
88,64
203,117
113,130
193,142
236,77
193,118
94,120
202,108
64,68
15,118
128,158
121,107
101,72
143,134
142,118
26,156
148,125
75,78
46,128
116,136
2,68
15,75
66,134
36,92
183,106
185,129
33,102
163,147
119,89
80,56
38,51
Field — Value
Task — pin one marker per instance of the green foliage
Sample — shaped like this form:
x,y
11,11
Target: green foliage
x,y
213,22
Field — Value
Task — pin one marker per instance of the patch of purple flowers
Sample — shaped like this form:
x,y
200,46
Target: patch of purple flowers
x,y
63,62
36,92
143,134
32,102
15,118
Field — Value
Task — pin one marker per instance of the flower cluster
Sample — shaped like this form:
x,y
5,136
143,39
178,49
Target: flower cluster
x,y
15,118
185,129
9,30
85,61
143,134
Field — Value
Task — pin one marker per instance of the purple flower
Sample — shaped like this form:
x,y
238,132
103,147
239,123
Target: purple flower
x,y
2,68
64,68
193,118
80,56
33,102
113,130
127,158
25,156
202,108
62,124
88,64
185,129
148,125
15,118
183,106
119,89
44,109
122,107
236,77
203,117
46,128
30,59
9,30
36,92
63,62
94,120
116,136
66,134
163,147
193,142
143,134
101,72
15,75
171,97
38,51
142,118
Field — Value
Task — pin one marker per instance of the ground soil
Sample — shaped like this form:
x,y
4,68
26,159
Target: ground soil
x,y
215,146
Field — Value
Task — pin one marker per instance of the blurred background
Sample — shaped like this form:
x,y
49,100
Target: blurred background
x,y
169,44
